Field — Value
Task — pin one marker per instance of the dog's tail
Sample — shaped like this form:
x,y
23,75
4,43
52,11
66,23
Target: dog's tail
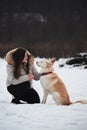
x,y
80,101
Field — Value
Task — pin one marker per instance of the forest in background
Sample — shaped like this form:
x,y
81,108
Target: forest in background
x,y
48,28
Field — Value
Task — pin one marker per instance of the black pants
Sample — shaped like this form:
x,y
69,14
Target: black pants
x,y
24,92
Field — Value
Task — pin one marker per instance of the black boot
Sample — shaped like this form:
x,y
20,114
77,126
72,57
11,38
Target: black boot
x,y
15,101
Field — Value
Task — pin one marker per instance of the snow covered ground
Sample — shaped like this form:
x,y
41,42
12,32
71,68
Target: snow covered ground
x,y
47,116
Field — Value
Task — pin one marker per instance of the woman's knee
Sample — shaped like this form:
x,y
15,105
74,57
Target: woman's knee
x,y
33,96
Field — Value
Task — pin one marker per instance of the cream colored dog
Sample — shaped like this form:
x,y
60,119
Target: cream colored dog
x,y
52,84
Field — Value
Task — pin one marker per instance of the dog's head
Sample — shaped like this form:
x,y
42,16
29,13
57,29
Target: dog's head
x,y
44,63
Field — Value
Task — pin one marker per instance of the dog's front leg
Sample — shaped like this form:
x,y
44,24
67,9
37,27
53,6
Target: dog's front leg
x,y
45,96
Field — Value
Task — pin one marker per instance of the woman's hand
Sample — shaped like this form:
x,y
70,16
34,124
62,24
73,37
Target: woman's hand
x,y
30,77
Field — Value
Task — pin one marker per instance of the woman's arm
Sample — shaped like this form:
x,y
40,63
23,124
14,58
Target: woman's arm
x,y
35,73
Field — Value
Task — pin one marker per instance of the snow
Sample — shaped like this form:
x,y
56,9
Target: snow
x,y
47,116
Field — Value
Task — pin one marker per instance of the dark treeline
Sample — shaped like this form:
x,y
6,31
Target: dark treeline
x,y
48,28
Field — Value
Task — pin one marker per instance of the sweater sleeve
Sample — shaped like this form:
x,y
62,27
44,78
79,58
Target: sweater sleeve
x,y
35,72
11,77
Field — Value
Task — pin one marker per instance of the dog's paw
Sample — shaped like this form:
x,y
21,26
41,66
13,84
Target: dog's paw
x,y
43,102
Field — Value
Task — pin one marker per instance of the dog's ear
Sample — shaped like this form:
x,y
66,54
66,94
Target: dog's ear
x,y
53,60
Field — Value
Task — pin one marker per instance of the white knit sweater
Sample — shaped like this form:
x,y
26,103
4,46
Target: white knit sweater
x,y
24,77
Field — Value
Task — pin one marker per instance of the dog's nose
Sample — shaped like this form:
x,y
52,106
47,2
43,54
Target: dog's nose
x,y
36,62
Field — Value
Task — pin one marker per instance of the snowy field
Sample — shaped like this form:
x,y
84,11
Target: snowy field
x,y
47,116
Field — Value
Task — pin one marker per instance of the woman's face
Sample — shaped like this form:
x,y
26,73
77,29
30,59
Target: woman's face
x,y
25,58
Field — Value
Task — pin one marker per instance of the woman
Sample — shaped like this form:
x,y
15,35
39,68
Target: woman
x,y
20,73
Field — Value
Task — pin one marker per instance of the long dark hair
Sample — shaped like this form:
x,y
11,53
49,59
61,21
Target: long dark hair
x,y
18,57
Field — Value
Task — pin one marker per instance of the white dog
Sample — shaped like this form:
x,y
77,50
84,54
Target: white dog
x,y
52,84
